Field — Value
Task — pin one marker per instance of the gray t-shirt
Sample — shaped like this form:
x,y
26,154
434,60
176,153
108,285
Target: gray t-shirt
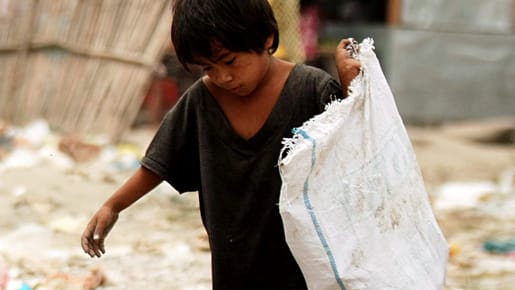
x,y
196,149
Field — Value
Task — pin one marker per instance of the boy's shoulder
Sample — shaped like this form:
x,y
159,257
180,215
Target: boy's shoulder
x,y
191,100
193,94
196,88
308,71
305,75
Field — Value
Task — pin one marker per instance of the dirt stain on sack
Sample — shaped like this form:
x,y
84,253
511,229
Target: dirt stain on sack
x,y
387,219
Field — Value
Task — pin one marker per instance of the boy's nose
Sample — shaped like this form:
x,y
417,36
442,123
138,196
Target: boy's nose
x,y
224,77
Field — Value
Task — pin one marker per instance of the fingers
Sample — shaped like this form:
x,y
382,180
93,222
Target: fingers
x,y
353,66
344,43
347,48
100,242
87,243
94,235
347,66
92,240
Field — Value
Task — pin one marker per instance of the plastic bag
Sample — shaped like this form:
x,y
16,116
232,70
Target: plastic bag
x,y
353,201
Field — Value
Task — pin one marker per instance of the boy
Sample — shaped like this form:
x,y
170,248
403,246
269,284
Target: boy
x,y
223,139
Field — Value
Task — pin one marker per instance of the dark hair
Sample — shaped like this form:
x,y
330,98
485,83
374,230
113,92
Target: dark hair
x,y
237,25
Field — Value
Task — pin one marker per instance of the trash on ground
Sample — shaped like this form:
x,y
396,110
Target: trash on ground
x,y
499,247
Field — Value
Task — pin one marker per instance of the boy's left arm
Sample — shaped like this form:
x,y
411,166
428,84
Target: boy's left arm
x,y
348,68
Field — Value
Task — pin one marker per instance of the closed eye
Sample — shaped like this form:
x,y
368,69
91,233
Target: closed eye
x,y
231,61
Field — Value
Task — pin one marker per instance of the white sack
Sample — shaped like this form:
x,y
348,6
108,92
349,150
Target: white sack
x,y
353,202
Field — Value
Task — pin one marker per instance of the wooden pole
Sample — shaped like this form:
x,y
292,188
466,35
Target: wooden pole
x,y
513,16
394,12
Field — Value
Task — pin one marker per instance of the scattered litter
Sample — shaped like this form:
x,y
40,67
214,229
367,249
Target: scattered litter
x,y
4,275
500,247
507,181
180,252
454,249
68,224
96,277
36,144
20,158
77,149
6,139
92,280
34,134
20,244
454,195
121,157
25,286
52,156
19,191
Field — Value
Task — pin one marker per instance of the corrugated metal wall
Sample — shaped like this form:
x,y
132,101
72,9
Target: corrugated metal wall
x,y
447,60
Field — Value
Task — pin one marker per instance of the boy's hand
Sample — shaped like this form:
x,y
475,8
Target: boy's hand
x,y
95,233
348,67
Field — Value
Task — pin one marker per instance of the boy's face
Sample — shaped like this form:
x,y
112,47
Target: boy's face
x,y
238,73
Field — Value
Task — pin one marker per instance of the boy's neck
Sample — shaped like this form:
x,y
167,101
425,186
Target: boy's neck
x,y
247,114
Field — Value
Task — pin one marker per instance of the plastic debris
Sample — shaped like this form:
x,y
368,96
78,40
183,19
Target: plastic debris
x,y
500,247
507,181
34,134
95,278
19,191
68,224
92,280
122,157
4,275
78,150
454,249
52,156
128,156
454,195
20,158
6,139
36,145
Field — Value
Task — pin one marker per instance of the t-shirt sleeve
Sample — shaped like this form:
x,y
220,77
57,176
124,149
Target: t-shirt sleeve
x,y
173,151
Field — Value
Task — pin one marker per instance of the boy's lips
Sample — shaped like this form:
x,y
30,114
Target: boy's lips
x,y
236,88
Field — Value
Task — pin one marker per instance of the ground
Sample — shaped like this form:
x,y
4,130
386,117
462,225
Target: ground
x,y
159,243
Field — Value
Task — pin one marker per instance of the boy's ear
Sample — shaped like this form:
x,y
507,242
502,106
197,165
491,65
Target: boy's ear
x,y
269,42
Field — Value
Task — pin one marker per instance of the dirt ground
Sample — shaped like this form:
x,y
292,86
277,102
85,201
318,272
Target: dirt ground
x,y
46,199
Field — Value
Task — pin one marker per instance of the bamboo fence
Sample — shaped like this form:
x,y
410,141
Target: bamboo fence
x,y
83,65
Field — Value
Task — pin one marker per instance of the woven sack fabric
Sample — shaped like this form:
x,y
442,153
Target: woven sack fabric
x,y
353,202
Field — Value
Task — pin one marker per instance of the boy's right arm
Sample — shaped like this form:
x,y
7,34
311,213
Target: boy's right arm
x,y
139,184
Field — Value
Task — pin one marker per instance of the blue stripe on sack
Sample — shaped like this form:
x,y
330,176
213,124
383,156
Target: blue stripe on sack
x,y
308,205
